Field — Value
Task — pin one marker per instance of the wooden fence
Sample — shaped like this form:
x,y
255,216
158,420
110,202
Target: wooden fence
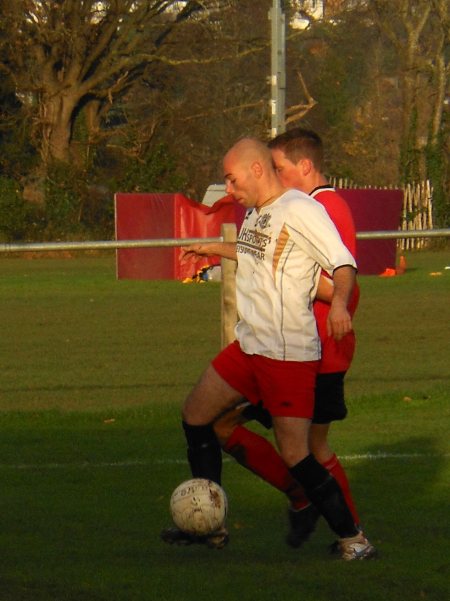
x,y
417,211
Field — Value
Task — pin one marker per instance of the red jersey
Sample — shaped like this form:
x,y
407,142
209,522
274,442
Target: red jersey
x,y
336,356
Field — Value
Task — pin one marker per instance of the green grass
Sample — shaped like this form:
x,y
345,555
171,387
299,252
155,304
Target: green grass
x,y
75,338
403,323
94,371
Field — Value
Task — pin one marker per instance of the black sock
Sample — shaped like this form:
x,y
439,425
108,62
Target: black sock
x,y
323,490
204,452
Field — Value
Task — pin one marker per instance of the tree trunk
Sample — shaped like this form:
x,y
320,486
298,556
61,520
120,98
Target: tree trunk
x,y
93,112
56,121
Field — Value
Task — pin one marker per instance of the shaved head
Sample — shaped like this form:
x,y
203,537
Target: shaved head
x,y
249,150
249,173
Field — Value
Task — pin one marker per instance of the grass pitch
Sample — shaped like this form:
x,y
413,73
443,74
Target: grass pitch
x,y
93,375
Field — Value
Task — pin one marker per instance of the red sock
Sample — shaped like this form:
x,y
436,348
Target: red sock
x,y
337,471
257,454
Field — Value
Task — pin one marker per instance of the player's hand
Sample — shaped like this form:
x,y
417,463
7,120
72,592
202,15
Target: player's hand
x,y
339,322
193,252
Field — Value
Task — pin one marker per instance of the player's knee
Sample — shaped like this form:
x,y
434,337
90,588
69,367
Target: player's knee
x,y
293,456
318,442
186,414
292,449
194,415
227,423
320,449
224,428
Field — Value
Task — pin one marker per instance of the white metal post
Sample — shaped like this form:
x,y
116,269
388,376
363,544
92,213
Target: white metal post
x,y
278,69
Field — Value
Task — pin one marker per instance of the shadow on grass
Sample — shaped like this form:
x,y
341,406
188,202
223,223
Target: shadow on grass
x,y
39,591
89,387
401,492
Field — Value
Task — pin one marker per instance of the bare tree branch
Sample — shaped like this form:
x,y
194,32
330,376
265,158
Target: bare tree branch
x,y
298,111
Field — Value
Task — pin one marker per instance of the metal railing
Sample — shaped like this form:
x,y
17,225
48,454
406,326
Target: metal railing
x,y
228,234
168,242
400,234
101,244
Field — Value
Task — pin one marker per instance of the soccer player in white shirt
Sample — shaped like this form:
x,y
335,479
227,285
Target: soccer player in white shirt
x,y
284,242
298,159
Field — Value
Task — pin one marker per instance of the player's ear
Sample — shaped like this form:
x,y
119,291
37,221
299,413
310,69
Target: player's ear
x,y
305,166
257,169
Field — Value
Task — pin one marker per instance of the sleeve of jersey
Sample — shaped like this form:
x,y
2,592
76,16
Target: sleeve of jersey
x,y
341,216
310,227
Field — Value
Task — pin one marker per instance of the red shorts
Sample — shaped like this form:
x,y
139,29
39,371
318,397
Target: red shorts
x,y
286,388
336,355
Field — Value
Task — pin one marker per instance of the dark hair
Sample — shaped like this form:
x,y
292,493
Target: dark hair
x,y
299,143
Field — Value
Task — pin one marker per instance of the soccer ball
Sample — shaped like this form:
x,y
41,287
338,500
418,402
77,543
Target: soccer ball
x,y
198,506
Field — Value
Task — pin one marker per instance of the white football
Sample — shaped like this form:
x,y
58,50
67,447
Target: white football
x,y
198,506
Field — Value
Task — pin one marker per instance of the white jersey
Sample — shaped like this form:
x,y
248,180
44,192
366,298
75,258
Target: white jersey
x,y
280,252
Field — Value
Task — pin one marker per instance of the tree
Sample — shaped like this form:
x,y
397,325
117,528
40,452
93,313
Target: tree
x,y
419,32
67,56
340,62
209,105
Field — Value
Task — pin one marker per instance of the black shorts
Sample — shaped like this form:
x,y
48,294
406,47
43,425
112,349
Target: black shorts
x,y
329,404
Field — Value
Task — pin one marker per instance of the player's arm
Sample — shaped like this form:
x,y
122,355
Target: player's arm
x,y
339,321
227,250
325,289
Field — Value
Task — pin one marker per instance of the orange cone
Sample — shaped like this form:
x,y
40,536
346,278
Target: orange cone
x,y
388,273
401,268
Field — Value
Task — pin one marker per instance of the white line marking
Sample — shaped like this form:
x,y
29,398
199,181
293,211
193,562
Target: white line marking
x,y
138,463
381,455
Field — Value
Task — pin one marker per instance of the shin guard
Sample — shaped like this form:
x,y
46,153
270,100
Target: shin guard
x,y
204,453
323,490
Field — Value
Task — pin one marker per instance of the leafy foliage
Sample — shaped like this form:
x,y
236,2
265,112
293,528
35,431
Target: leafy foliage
x,y
148,95
438,168
155,172
14,210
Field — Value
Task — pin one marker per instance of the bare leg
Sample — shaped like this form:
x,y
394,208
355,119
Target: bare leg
x,y
291,434
208,399
318,442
